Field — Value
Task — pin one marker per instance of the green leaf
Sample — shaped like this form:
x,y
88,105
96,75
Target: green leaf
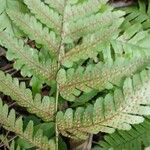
x,y
31,26
46,15
135,139
99,76
26,58
48,130
126,106
27,134
42,107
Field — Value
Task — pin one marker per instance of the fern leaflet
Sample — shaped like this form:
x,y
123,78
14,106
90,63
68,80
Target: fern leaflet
x,y
130,140
119,110
42,107
26,58
9,122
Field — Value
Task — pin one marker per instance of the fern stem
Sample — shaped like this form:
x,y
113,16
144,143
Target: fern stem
x,y
56,108
60,52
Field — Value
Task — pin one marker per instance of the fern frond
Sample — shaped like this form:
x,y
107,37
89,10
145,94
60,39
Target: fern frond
x,y
35,31
91,24
86,49
98,77
91,46
6,22
58,5
136,138
13,146
10,143
9,122
129,42
46,15
139,14
26,58
42,107
81,10
119,110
